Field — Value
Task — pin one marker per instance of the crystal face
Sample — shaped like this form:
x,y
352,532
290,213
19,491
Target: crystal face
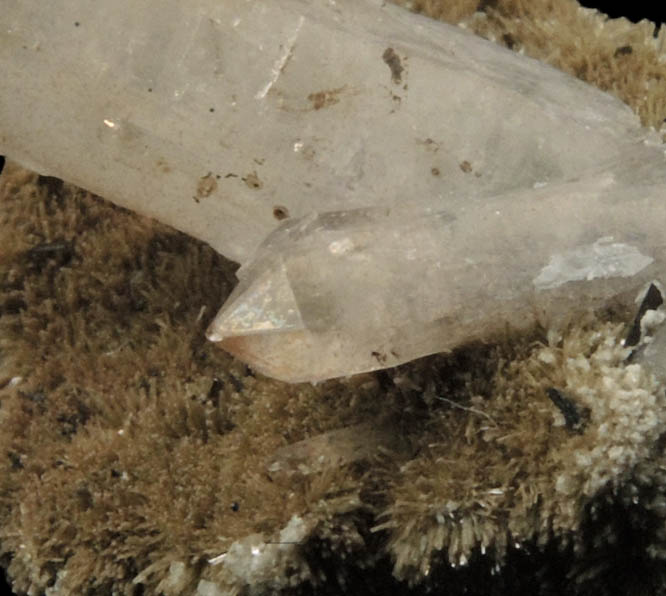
x,y
372,289
436,186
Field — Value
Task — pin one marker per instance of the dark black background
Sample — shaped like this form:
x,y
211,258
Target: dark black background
x,y
4,586
653,10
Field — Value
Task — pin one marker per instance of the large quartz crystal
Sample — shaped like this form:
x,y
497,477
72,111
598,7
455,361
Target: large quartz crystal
x,y
356,290
436,188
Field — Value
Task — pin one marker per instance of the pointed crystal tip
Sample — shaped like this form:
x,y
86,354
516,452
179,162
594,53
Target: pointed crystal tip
x,y
265,305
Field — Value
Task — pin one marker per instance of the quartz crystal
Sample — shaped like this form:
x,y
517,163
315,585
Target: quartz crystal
x,y
435,186
349,291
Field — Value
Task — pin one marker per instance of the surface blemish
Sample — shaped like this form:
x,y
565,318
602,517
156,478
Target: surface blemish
x,y
394,63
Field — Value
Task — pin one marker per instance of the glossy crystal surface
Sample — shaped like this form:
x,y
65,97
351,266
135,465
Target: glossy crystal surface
x,y
437,187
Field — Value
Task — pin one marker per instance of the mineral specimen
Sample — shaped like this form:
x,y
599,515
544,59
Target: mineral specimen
x,y
350,291
436,187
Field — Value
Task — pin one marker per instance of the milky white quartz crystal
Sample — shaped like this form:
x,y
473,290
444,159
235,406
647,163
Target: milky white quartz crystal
x,y
355,290
437,187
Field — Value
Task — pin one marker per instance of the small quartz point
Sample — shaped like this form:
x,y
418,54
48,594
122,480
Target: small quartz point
x,y
344,292
333,449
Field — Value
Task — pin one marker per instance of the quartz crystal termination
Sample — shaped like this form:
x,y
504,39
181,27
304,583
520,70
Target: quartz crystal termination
x,y
343,292
456,186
